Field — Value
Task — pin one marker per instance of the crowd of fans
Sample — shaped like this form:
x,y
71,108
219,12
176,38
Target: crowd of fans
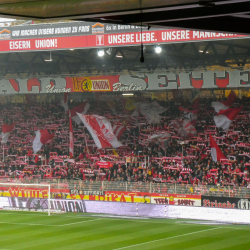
x,y
181,160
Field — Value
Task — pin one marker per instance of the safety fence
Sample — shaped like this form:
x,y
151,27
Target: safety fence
x,y
147,187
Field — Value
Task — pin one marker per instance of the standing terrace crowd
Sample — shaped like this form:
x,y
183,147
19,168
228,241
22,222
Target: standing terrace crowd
x,y
136,161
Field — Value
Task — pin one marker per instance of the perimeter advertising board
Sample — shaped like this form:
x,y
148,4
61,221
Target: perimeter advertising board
x,y
138,197
128,209
112,196
176,199
225,202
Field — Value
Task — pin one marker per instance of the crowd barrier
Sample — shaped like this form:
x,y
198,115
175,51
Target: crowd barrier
x,y
124,192
86,187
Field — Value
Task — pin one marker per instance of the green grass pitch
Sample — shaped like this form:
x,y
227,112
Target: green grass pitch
x,y
29,231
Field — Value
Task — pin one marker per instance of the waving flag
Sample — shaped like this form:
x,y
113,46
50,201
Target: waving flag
x,y
118,130
42,137
64,101
216,152
163,139
185,128
194,95
81,109
196,104
132,119
71,138
189,128
6,129
191,115
223,105
151,111
225,117
101,131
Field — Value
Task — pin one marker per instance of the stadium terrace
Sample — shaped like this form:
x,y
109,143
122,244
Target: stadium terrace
x,y
157,142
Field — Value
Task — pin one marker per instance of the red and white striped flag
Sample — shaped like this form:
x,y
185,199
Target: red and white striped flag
x,y
71,138
64,101
151,111
42,137
185,128
118,130
226,117
216,152
101,130
189,128
6,129
222,105
162,138
81,109
190,114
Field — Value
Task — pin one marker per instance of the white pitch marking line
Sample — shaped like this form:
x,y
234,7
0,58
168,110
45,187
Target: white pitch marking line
x,y
58,215
28,224
77,222
135,245
237,228
222,226
31,224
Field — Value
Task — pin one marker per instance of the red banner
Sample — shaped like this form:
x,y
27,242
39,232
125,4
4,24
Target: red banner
x,y
29,192
110,40
104,164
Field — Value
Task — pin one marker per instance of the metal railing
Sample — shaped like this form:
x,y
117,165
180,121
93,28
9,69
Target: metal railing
x,y
147,187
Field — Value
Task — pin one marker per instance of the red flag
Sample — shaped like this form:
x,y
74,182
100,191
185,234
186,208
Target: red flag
x,y
6,129
230,99
42,137
225,117
64,101
118,130
36,159
71,138
101,130
223,105
216,152
81,109
196,104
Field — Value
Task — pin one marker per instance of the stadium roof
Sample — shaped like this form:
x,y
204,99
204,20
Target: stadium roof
x,y
229,16
126,59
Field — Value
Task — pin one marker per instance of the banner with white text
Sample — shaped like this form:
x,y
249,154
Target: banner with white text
x,y
163,81
74,35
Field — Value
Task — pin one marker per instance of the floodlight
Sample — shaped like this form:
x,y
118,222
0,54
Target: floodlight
x,y
158,49
100,52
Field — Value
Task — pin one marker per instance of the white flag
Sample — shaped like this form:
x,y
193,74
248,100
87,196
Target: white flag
x,y
101,131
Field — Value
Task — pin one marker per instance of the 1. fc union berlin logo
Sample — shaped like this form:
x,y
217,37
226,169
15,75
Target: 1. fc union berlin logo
x,y
99,40
86,84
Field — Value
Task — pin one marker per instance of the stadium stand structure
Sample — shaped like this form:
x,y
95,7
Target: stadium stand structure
x,y
161,153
